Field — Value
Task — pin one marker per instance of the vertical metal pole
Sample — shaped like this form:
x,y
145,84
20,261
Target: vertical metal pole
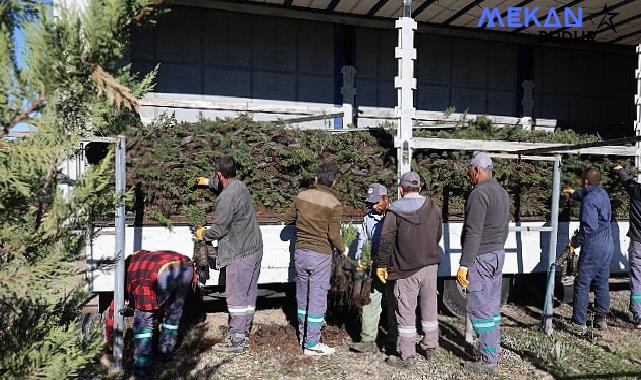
x,y
637,122
554,223
349,91
119,286
405,83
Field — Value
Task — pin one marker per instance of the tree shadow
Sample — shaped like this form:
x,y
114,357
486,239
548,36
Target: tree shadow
x,y
454,342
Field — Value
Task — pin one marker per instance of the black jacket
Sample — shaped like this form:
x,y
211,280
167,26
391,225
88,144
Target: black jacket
x,y
634,189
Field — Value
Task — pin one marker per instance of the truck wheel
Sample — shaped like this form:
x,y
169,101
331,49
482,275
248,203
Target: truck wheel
x,y
455,303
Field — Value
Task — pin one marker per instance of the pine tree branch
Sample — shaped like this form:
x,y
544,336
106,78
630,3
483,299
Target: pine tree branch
x,y
23,115
115,92
146,10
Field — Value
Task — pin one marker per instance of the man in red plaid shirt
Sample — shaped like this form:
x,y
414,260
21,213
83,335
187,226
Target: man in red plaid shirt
x,y
154,282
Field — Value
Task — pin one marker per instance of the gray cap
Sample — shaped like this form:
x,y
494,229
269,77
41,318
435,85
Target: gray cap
x,y
480,160
375,192
410,179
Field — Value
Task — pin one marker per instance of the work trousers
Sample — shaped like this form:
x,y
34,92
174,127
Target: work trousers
x,y
634,258
313,271
417,290
172,287
484,303
593,269
241,285
371,313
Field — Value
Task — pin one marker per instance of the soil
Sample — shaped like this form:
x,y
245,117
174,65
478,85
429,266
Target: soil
x,y
527,352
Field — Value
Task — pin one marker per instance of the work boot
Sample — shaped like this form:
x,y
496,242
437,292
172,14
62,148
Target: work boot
x,y
398,362
428,353
364,347
600,322
482,368
577,329
229,346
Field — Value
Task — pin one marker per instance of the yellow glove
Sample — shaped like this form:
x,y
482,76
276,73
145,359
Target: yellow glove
x,y
381,273
199,233
461,277
568,190
203,181
360,266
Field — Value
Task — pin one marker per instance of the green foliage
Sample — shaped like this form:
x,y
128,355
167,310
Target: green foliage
x,y
276,162
70,86
349,233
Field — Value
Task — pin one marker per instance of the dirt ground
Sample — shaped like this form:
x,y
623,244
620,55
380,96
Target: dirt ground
x,y
527,353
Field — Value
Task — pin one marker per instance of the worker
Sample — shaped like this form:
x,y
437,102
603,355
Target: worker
x,y
378,202
409,255
485,230
156,283
317,213
634,233
594,236
240,252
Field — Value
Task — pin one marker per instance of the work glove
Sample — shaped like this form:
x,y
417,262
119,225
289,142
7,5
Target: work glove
x,y
199,233
568,190
617,168
203,181
461,277
360,266
381,273
345,252
571,247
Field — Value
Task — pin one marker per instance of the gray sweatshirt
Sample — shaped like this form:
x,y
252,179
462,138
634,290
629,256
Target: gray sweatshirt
x,y
487,216
235,226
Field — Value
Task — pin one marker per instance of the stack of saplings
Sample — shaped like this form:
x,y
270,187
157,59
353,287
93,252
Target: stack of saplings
x,y
351,281
276,162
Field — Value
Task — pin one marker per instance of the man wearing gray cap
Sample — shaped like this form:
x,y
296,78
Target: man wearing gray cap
x,y
378,202
409,254
485,229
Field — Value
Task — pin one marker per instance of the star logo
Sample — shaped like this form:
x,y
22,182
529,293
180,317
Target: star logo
x,y
608,18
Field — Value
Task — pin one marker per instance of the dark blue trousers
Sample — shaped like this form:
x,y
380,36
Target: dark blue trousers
x,y
593,270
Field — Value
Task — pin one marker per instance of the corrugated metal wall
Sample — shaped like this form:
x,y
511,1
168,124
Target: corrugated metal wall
x,y
206,52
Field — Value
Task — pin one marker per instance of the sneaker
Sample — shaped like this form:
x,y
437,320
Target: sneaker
x,y
228,346
319,349
577,329
364,347
637,323
481,367
396,361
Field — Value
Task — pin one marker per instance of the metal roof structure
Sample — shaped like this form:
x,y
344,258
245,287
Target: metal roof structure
x,y
612,21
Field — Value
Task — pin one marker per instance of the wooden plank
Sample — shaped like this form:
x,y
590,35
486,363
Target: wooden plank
x,y
511,147
241,106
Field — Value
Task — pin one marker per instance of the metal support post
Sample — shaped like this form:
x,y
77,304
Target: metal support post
x,y
348,91
637,122
119,286
405,84
548,311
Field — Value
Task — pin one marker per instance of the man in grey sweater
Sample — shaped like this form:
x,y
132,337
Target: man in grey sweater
x,y
240,251
485,229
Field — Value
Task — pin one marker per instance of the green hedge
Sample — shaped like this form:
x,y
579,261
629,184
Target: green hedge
x,y
276,162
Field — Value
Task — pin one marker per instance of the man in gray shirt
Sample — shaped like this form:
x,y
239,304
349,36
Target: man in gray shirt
x,y
487,215
240,252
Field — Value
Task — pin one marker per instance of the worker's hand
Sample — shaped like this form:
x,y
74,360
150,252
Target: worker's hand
x,y
568,190
381,273
203,181
199,233
345,252
617,168
572,245
360,266
461,277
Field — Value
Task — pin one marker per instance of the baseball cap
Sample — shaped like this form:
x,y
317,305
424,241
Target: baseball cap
x,y
480,160
410,179
375,192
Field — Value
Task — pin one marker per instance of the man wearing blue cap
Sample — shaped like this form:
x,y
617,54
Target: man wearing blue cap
x,y
378,202
485,230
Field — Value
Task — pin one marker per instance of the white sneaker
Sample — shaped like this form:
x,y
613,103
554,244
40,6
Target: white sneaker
x,y
319,349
